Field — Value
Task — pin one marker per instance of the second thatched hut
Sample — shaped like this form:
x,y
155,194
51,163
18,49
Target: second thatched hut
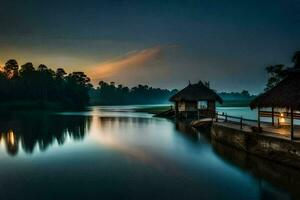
x,y
283,99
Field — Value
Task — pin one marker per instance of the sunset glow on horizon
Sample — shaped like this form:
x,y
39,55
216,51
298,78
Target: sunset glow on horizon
x,y
133,43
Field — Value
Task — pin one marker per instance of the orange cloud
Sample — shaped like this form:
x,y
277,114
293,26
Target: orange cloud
x,y
130,60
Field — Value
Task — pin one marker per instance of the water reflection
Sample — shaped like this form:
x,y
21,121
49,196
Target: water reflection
x,y
11,142
187,131
268,173
129,155
284,177
29,130
116,134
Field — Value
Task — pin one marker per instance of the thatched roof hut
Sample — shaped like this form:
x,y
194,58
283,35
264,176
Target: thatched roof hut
x,y
196,92
286,94
196,98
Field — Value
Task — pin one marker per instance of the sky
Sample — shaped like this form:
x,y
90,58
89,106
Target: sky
x,y
160,43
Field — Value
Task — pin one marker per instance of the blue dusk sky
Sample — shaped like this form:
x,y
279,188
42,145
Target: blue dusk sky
x,y
160,43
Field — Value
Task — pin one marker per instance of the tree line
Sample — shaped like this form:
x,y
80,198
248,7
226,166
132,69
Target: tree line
x,y
279,71
112,94
243,95
42,85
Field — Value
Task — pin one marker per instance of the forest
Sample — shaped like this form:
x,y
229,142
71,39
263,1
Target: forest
x,y
110,94
42,86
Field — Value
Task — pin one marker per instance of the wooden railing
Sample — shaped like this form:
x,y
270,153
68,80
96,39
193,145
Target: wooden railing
x,y
234,119
279,114
255,124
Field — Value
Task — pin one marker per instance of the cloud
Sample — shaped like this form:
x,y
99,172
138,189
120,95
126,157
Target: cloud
x,y
128,62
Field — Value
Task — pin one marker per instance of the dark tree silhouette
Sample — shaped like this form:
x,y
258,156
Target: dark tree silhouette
x,y
11,68
60,73
26,70
77,87
276,74
279,72
244,95
42,85
296,59
109,94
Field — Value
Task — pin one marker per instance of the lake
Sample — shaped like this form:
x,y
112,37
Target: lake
x,y
114,153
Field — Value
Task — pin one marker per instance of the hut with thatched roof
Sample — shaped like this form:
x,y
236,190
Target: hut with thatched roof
x,y
285,97
196,100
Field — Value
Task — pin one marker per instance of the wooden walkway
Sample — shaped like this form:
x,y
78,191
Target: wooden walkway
x,y
283,132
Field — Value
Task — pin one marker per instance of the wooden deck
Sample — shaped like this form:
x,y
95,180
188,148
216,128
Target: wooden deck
x,y
283,132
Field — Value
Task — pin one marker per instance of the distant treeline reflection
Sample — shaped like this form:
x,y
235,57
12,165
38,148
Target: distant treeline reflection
x,y
29,131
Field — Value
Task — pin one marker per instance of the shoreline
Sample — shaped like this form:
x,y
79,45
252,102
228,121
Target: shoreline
x,y
280,150
37,106
264,145
280,174
277,173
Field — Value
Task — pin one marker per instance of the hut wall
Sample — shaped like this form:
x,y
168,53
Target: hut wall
x,y
211,105
187,106
191,106
181,106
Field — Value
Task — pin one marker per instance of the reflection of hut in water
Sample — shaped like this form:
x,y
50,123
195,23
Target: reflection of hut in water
x,y
196,100
284,101
188,131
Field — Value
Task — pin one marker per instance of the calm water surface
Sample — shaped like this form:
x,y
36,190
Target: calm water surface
x,y
115,153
